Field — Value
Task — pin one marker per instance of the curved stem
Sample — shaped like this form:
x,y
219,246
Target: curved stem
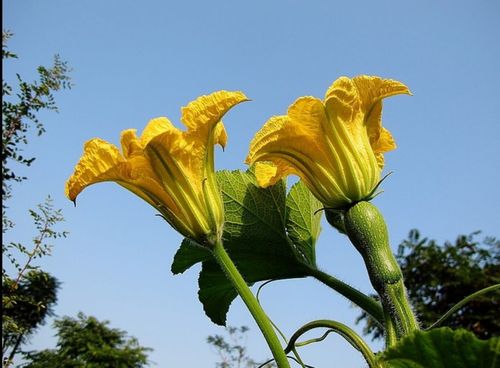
x,y
391,337
314,340
461,303
251,302
368,304
291,357
346,332
297,358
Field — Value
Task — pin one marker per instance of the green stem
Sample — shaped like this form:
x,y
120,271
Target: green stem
x,y
314,340
461,303
298,359
368,304
391,337
352,337
397,299
252,304
366,229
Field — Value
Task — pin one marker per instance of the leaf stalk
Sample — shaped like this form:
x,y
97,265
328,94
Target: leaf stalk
x,y
251,302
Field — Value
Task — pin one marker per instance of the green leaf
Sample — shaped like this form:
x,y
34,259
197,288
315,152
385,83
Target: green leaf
x,y
215,293
443,348
189,254
303,222
255,236
255,228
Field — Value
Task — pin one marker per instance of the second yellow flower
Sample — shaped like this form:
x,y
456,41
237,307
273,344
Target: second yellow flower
x,y
335,145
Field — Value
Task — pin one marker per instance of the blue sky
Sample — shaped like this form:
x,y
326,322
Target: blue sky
x,y
133,61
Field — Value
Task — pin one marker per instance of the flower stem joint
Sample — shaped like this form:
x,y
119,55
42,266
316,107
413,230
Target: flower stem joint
x,y
365,227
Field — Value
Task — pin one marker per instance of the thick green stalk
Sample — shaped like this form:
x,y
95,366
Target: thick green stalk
x,y
366,229
397,299
368,304
252,304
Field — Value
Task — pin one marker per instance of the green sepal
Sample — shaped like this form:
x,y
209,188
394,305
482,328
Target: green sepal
x,y
336,219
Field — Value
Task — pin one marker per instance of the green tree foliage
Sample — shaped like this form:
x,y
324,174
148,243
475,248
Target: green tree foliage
x,y
233,352
26,306
28,294
20,106
45,219
87,342
439,276
19,109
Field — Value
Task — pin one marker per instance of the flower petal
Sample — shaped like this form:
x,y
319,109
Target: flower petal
x,y
154,128
269,173
295,144
131,145
220,135
358,102
373,89
343,99
100,162
178,160
300,131
181,157
343,106
267,135
384,144
202,114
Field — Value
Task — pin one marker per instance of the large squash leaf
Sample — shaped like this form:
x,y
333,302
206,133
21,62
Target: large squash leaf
x,y
267,234
443,348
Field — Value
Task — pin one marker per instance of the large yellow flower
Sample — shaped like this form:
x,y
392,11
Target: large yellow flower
x,y
336,145
172,170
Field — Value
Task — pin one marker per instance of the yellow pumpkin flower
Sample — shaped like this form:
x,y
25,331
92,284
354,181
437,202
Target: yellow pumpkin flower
x,y
171,169
334,145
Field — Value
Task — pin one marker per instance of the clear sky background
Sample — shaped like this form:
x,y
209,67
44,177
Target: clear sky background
x,y
136,60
